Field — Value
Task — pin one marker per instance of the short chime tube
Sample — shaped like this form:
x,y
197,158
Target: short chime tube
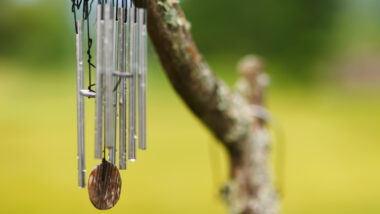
x,y
99,84
132,85
142,76
108,108
80,106
123,95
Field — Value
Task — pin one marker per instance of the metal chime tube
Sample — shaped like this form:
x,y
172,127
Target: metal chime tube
x,y
132,85
80,106
99,84
142,76
123,95
108,108
115,55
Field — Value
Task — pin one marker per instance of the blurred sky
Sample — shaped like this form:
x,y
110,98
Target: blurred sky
x,y
324,61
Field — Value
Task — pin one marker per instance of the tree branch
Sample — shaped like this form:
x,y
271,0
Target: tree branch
x,y
207,96
225,113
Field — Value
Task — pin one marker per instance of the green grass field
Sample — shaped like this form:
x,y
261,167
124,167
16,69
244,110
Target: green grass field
x,y
332,150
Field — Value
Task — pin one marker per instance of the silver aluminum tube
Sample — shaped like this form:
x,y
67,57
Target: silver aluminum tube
x,y
115,61
80,107
132,86
123,97
109,46
142,77
99,84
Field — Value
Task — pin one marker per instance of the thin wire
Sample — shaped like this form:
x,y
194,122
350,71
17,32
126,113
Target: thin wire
x,y
117,10
79,2
75,5
117,18
89,11
102,10
104,151
135,14
117,84
125,6
86,16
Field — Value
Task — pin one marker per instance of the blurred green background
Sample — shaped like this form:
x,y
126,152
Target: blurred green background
x,y
324,61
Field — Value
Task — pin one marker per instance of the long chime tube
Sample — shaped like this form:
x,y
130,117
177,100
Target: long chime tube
x,y
115,62
80,106
99,84
145,65
123,96
142,53
108,43
132,86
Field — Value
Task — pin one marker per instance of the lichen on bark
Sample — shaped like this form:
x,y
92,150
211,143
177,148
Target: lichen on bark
x,y
226,113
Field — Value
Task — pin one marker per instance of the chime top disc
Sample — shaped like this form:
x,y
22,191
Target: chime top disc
x,y
104,185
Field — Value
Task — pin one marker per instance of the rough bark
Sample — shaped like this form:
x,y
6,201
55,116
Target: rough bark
x,y
226,113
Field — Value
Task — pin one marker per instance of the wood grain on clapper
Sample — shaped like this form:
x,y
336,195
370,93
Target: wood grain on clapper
x,y
104,185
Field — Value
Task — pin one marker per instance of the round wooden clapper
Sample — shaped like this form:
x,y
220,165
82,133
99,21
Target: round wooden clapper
x,y
104,185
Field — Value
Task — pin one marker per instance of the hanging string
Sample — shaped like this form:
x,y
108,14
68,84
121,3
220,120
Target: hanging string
x,y
90,9
125,13
102,9
104,152
104,143
75,5
79,2
86,16
135,15
117,10
125,10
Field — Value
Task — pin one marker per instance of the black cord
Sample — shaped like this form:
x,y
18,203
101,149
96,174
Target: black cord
x,y
76,4
102,10
104,151
73,10
125,6
86,16
117,10
79,2
90,8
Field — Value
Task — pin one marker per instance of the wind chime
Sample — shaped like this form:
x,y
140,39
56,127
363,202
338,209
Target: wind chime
x,y
120,91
